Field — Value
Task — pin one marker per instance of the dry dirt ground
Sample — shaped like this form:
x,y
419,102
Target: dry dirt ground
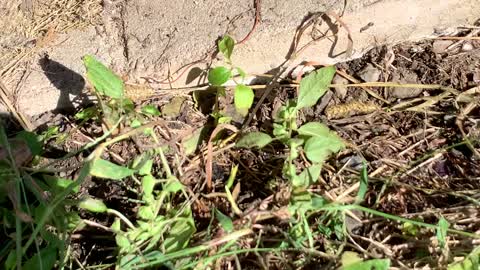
x,y
421,144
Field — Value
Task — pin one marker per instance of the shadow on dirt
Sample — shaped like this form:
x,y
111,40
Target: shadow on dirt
x,y
67,81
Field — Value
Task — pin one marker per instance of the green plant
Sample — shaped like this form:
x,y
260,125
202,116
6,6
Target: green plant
x,y
315,139
113,104
218,76
28,210
160,225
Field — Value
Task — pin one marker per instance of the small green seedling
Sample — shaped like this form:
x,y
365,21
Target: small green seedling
x,y
218,76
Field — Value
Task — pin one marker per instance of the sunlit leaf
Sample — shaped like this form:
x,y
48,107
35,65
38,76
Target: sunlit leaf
x,y
317,149
243,98
102,78
105,169
93,205
148,183
225,46
349,258
61,183
219,75
314,129
145,167
145,212
173,186
122,241
225,221
151,110
254,139
314,86
376,264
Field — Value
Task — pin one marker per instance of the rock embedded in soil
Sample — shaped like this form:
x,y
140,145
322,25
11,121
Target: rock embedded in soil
x,y
340,91
440,46
406,77
370,74
174,107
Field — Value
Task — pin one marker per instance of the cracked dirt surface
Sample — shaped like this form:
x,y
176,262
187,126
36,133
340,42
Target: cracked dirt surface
x,y
150,39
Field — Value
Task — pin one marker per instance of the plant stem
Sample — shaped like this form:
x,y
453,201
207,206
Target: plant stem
x,y
122,217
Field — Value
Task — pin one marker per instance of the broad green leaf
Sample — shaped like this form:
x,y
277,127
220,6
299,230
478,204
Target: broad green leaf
x,y
318,149
243,98
173,186
32,140
45,259
135,123
376,264
105,169
116,225
93,205
224,220
151,110
314,86
254,139
60,184
148,183
308,176
102,78
122,241
314,129
362,190
349,258
146,167
219,75
146,212
442,231
225,46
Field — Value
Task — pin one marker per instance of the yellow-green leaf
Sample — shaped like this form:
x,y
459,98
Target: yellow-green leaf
x,y
318,149
105,169
225,46
219,75
243,98
314,86
102,78
93,205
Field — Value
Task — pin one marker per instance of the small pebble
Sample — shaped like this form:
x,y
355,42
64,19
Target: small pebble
x,y
370,74
440,46
467,46
340,91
